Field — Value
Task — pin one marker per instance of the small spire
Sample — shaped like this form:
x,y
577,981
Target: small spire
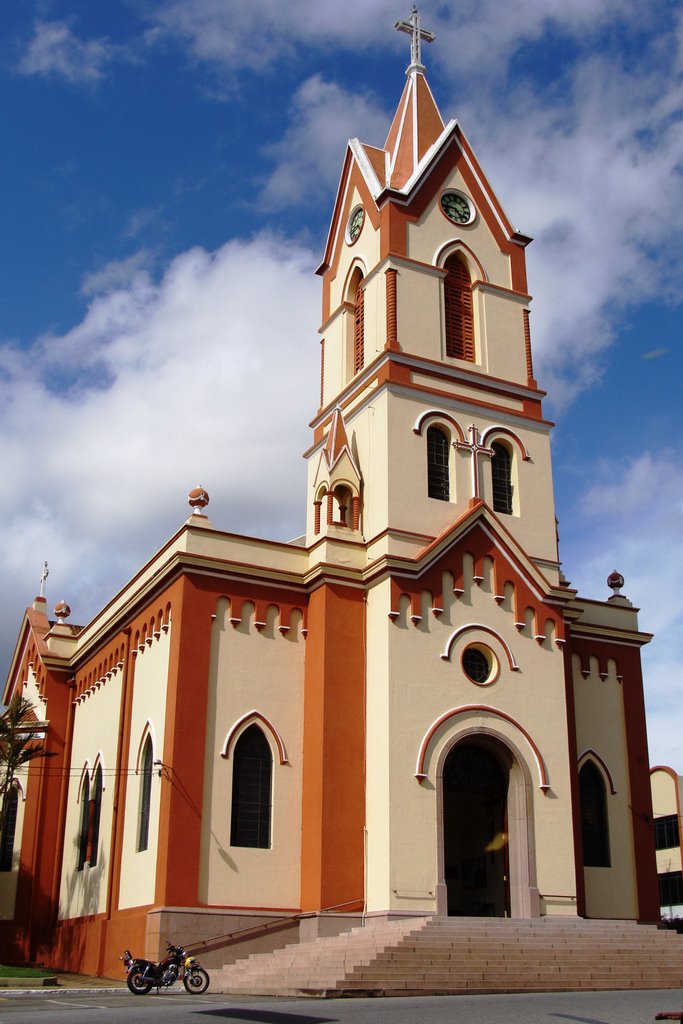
x,y
337,440
417,34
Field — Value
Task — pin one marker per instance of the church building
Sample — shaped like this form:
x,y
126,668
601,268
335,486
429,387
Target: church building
x,y
406,711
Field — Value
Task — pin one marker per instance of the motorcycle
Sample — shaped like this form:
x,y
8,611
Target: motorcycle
x,y
143,975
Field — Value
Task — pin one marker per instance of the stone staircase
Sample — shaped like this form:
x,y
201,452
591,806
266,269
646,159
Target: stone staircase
x,y
438,955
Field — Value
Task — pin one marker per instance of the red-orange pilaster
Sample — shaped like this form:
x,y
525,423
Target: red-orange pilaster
x,y
333,812
44,787
177,884
639,781
574,777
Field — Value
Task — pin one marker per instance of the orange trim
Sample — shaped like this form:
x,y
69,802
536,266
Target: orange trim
x,y
591,754
627,657
184,742
420,773
237,728
437,414
479,628
390,276
333,799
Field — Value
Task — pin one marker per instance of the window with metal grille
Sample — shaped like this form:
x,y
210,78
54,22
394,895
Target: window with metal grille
x,y
358,329
9,830
458,309
85,825
95,809
671,889
476,665
251,790
438,485
501,476
666,832
145,795
594,826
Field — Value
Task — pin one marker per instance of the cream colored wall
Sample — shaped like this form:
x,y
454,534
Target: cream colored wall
x,y
253,670
33,694
664,803
338,331
407,673
432,230
610,892
499,324
95,739
150,685
9,879
410,508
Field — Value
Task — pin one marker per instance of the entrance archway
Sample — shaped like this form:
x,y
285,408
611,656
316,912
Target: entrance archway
x,y
475,782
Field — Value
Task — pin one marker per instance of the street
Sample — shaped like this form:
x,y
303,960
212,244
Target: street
x,y
72,1007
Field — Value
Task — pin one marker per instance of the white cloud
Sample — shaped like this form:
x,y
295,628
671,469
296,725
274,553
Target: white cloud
x,y
268,29
323,116
594,174
56,50
116,274
209,376
632,521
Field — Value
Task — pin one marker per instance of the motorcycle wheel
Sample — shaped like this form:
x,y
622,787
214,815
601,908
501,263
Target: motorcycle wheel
x,y
196,981
138,985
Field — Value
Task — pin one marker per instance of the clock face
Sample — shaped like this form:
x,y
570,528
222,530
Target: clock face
x,y
457,208
355,224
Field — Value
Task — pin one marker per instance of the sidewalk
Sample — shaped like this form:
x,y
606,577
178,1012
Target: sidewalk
x,y
62,982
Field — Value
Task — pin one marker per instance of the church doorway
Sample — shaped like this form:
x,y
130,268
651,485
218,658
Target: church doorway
x,y
475,830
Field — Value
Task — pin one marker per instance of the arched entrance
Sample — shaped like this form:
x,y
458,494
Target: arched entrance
x,y
475,784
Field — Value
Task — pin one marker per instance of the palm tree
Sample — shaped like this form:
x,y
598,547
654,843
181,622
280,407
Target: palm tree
x,y
18,745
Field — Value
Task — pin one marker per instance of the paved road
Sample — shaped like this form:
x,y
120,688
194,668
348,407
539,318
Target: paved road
x,y
179,1008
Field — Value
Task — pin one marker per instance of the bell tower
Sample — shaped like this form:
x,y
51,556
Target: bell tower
x,y
426,351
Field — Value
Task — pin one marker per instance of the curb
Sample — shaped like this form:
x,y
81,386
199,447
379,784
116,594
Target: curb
x,y
48,990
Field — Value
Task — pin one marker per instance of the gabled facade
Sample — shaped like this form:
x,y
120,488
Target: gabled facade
x,y
406,711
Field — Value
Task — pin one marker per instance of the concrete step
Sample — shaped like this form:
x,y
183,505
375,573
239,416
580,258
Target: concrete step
x,y
466,955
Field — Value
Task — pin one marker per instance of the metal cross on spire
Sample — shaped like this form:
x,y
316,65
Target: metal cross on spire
x,y
43,576
412,27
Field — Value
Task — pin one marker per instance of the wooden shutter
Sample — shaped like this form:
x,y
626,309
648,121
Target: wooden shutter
x,y
358,330
459,316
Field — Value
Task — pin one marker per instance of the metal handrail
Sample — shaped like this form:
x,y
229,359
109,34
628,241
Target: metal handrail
x,y
226,938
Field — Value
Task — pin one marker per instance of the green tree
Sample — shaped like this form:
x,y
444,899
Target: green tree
x,y
20,743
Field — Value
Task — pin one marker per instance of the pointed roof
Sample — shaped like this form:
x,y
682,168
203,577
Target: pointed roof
x,y
416,127
338,442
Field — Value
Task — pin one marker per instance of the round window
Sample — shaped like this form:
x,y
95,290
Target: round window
x,y
479,665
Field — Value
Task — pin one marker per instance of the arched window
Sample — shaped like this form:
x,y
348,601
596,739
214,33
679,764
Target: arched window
x,y
95,810
358,327
438,446
501,476
252,774
145,795
9,829
458,307
85,824
594,817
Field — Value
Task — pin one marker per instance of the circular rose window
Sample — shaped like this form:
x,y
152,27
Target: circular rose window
x,y
479,664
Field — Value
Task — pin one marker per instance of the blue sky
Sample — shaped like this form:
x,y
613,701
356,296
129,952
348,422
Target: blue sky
x,y
166,163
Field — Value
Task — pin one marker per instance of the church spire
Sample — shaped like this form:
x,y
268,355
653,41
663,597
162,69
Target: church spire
x,y
417,123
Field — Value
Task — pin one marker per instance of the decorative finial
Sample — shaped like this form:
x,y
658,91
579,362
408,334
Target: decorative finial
x,y
198,499
62,611
615,582
44,575
412,27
